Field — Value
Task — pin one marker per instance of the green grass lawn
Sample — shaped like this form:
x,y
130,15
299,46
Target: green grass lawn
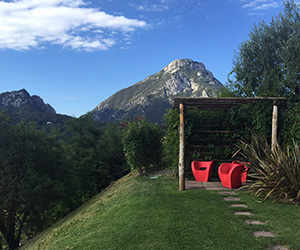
x,y
144,213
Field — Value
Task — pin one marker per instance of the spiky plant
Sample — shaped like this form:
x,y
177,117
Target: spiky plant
x,y
275,173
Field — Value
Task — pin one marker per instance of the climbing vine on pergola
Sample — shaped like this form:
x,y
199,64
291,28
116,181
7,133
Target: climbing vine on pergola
x,y
215,103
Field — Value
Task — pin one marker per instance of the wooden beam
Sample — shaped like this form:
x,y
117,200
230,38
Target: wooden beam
x,y
181,149
220,103
274,125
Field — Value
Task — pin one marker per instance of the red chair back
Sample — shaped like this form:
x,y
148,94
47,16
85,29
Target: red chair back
x,y
230,174
202,170
245,171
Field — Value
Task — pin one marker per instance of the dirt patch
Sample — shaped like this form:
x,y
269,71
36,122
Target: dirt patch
x,y
159,172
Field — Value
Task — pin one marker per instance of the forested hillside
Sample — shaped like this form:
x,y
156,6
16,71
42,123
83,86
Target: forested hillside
x,y
47,173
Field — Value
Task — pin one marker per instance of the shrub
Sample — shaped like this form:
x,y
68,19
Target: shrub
x,y
142,143
276,174
171,140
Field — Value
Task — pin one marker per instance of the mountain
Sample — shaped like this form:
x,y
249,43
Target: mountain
x,y
154,95
20,101
20,104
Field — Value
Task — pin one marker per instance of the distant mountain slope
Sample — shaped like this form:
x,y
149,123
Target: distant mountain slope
x,y
20,104
152,96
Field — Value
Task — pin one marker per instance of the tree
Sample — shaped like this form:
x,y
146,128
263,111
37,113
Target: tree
x,y
142,142
44,175
171,140
268,63
83,154
112,154
30,179
95,152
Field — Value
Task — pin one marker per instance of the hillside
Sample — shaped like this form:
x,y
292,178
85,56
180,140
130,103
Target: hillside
x,y
144,213
154,95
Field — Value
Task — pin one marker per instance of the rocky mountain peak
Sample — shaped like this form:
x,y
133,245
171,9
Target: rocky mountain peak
x,y
154,95
183,64
15,100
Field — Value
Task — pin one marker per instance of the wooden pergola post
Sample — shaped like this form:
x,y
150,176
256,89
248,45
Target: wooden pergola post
x,y
274,125
181,149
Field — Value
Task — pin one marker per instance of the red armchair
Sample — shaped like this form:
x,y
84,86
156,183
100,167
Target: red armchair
x,y
202,170
245,171
230,174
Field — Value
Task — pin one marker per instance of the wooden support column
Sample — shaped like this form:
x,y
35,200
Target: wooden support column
x,y
181,149
274,125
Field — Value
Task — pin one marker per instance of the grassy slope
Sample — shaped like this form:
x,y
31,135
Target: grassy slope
x,y
144,213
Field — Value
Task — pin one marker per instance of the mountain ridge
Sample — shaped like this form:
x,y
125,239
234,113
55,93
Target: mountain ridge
x,y
151,96
15,101
19,104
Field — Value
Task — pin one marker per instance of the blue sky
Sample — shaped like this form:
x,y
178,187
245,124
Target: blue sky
x,y
76,53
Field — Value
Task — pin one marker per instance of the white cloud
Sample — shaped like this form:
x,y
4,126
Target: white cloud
x,y
267,6
150,7
258,5
26,24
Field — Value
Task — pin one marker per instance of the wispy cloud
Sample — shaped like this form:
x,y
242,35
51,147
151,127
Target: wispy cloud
x,y
260,5
150,7
26,24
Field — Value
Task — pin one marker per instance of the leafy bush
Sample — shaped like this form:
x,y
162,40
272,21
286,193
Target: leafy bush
x,y
142,143
171,140
291,119
276,174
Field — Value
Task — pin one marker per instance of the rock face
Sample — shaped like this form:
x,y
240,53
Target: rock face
x,y
154,95
20,101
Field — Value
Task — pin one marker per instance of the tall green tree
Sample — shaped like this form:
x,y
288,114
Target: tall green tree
x,y
113,157
142,143
31,174
268,63
83,155
95,154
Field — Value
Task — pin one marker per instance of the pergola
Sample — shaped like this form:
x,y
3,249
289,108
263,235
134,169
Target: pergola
x,y
215,103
